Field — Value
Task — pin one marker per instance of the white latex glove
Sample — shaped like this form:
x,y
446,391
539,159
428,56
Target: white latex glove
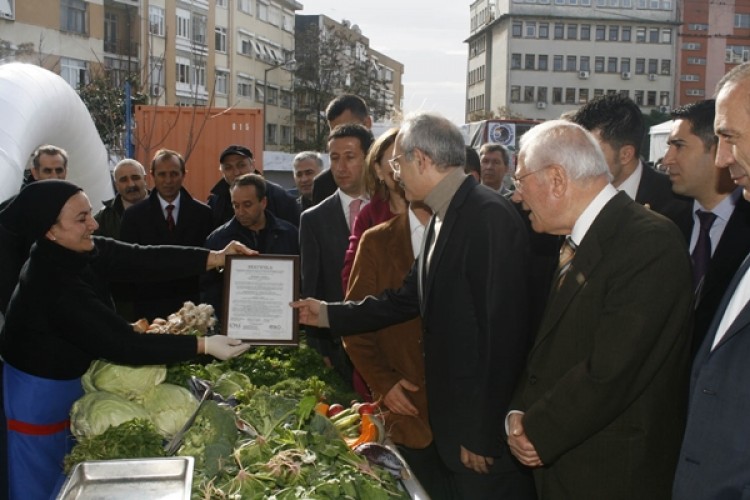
x,y
223,347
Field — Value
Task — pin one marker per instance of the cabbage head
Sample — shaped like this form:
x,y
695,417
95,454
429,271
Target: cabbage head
x,y
95,412
169,407
130,382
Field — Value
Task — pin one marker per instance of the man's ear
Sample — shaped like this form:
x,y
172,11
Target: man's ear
x,y
626,154
558,179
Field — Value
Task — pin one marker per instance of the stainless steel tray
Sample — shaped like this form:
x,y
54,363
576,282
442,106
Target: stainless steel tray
x,y
146,479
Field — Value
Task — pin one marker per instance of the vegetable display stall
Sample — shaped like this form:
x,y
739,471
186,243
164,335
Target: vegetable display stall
x,y
262,433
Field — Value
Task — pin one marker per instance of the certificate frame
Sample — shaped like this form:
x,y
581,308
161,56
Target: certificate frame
x,y
280,276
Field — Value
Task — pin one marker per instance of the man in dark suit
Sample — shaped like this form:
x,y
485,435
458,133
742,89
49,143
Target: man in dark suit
x,y
718,233
346,108
714,461
617,123
600,407
324,234
169,216
469,288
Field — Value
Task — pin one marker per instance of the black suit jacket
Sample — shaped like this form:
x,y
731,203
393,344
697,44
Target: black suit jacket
x,y
324,186
604,389
323,238
729,254
474,312
655,191
144,223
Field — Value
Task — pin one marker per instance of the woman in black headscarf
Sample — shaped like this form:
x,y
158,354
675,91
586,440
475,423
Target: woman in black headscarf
x,y
61,317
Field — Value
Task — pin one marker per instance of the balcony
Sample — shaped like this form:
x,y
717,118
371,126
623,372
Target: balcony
x,y
121,47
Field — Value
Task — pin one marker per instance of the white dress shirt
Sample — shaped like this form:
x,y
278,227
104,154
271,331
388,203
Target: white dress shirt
x,y
630,185
175,211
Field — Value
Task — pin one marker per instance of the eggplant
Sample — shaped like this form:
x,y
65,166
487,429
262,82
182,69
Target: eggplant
x,y
377,454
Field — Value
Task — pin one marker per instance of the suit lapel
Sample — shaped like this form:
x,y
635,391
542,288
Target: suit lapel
x,y
743,318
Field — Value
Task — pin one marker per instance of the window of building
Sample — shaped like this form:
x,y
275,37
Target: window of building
x,y
272,95
199,29
559,31
571,63
183,24
666,35
600,32
557,63
222,77
640,35
611,92
689,78
199,76
583,96
626,32
528,94
244,87
156,21
544,30
653,65
156,72
515,61
557,95
570,96
599,64
614,33
517,29
73,16
286,134
625,64
611,65
245,45
8,9
529,63
742,20
585,63
245,6
695,92
515,93
543,58
271,133
261,10
541,94
640,66
653,35
697,60
638,97
624,93
182,71
572,32
285,101
698,27
220,36
598,93
110,32
73,71
691,46
530,30
651,98
585,32
666,67
221,3
260,92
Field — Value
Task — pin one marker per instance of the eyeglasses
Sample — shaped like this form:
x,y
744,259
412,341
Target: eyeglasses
x,y
395,164
517,180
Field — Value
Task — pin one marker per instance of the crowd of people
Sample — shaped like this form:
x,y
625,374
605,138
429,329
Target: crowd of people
x,y
568,325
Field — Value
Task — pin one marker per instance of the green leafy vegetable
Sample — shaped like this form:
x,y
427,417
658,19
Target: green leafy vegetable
x,y
130,382
169,407
211,438
95,412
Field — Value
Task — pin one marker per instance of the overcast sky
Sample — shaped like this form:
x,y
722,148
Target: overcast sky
x,y
427,37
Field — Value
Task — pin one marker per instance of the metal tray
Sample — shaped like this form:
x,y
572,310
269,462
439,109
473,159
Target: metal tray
x,y
146,479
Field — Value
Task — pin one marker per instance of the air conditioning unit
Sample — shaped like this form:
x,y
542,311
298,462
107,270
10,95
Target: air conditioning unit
x,y
664,109
583,75
652,77
625,75
156,90
541,105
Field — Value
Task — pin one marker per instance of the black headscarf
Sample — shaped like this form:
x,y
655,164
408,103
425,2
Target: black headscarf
x,y
24,220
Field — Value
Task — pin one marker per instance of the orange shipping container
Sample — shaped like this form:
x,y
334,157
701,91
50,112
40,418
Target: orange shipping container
x,y
200,135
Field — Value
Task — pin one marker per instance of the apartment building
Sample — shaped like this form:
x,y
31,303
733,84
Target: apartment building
x,y
538,59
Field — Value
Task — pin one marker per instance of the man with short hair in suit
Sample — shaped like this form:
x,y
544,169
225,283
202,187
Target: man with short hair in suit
x,y
718,233
346,108
169,216
469,287
714,461
617,123
494,160
324,234
600,407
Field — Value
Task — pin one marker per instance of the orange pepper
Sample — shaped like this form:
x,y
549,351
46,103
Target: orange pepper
x,y
321,408
368,432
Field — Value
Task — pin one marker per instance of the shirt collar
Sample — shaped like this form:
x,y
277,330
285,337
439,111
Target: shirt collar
x,y
441,195
164,203
587,217
725,208
630,185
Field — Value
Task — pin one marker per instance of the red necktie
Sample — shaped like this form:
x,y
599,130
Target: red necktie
x,y
354,207
170,218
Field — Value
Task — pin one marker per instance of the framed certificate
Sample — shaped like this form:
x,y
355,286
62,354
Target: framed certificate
x,y
257,293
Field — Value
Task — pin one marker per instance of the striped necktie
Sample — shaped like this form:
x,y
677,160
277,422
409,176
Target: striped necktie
x,y
567,252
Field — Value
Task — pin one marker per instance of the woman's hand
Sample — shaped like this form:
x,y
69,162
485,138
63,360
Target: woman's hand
x,y
217,258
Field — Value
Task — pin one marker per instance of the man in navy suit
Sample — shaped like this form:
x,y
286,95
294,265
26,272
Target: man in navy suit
x,y
714,461
617,123
469,287
324,233
720,221
169,216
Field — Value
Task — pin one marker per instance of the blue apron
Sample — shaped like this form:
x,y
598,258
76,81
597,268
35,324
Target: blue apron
x,y
38,413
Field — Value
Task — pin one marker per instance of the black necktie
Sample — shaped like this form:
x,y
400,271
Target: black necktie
x,y
702,252
170,218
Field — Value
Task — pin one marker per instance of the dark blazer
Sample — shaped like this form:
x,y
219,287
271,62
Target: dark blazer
x,y
323,239
729,254
655,191
474,313
714,460
282,204
144,223
324,186
383,260
604,389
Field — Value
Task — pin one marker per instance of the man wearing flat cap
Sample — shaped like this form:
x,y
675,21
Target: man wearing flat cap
x,y
237,160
